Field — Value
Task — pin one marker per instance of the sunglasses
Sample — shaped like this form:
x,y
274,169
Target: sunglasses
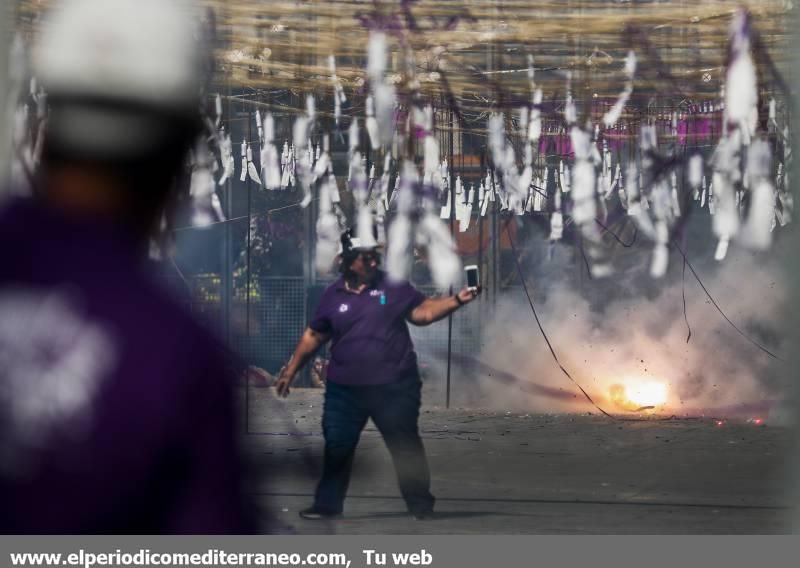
x,y
369,256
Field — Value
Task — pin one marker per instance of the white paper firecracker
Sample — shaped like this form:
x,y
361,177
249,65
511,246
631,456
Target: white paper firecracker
x,y
660,260
556,226
376,56
339,97
202,188
564,177
259,126
584,209
756,230
722,249
383,187
385,102
311,108
497,143
613,115
726,161
485,207
465,216
352,139
328,230
443,261
251,167
522,120
621,191
399,251
636,209
372,124
217,111
333,187
695,171
243,175
287,171
741,96
675,200
216,207
226,158
445,211
431,150
535,123
300,131
270,166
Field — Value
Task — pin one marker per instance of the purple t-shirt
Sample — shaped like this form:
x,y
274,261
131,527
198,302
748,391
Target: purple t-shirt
x,y
370,343
116,409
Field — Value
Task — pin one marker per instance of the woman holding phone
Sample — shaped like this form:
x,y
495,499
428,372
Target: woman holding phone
x,y
373,373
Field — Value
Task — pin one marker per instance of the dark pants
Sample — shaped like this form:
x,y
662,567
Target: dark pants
x,y
394,408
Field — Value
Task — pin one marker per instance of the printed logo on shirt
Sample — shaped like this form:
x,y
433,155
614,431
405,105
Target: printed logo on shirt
x,y
343,308
380,293
51,372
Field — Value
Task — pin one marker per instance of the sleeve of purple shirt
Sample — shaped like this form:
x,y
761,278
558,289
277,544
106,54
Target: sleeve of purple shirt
x,y
320,322
415,297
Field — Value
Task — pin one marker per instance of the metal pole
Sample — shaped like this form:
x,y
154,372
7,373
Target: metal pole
x,y
793,269
480,242
495,236
247,292
6,27
452,224
227,250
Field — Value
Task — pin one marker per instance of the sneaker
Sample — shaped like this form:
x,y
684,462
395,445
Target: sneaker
x,y
423,515
314,514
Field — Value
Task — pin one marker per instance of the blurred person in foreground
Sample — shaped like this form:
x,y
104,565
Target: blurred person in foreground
x,y
372,373
116,410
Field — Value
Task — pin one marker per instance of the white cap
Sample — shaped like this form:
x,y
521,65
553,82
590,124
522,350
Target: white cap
x,y
138,54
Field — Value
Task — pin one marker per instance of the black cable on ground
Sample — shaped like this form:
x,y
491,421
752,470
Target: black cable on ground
x,y
541,329
555,356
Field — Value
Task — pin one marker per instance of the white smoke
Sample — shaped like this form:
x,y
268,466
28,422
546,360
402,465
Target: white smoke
x,y
638,339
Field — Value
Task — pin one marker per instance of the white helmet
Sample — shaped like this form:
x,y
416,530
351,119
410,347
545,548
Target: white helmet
x,y
114,67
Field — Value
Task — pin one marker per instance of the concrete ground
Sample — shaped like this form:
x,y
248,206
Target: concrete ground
x,y
503,473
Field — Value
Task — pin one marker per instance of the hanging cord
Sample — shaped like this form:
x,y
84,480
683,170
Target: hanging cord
x,y
683,293
585,260
616,237
699,281
232,219
710,297
541,329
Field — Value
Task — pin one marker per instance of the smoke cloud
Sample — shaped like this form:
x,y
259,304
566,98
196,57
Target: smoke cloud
x,y
630,330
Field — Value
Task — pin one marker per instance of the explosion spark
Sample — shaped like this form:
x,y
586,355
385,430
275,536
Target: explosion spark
x,y
635,396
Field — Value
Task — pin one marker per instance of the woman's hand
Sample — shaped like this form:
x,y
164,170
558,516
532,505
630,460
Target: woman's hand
x,y
466,295
283,382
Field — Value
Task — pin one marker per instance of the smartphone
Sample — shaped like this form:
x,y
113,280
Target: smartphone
x,y
472,276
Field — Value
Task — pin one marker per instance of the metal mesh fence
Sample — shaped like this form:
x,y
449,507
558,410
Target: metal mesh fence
x,y
265,330
277,316
431,341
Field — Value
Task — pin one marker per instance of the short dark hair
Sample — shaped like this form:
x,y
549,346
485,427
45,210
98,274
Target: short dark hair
x,y
147,174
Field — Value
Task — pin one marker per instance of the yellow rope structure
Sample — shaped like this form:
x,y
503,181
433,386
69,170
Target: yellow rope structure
x,y
285,45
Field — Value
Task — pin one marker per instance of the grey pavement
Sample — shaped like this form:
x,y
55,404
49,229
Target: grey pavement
x,y
497,472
